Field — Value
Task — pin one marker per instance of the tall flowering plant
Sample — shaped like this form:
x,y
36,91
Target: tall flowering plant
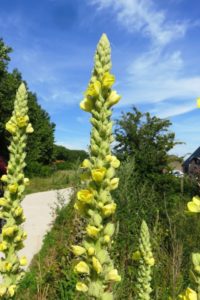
x,y
146,261
94,201
12,237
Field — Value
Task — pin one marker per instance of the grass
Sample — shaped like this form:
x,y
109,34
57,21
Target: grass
x,y
58,180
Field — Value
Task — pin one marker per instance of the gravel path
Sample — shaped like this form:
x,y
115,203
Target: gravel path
x,y
38,209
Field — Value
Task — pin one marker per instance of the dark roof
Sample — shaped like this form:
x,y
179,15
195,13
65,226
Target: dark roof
x,y
196,154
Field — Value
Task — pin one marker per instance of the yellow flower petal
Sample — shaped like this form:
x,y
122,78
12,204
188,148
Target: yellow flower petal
x,y
22,121
193,207
98,174
108,80
8,231
196,200
85,196
3,202
10,127
189,294
3,245
93,89
92,231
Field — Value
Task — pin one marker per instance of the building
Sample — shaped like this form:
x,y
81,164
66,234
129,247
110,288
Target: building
x,y
191,165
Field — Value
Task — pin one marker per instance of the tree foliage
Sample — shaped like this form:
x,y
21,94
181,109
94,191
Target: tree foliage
x,y
40,144
147,139
62,153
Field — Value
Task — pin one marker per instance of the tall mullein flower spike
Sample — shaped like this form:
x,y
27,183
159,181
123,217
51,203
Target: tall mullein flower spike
x,y
146,262
12,237
94,201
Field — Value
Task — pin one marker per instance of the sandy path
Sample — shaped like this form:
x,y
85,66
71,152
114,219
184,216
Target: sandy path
x,y
39,217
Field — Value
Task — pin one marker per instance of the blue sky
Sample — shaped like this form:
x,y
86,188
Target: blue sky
x,y
155,55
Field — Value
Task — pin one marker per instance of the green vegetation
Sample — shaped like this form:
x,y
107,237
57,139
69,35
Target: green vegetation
x,y
57,180
147,191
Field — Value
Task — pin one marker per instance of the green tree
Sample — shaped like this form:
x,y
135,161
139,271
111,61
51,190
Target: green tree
x,y
40,145
62,153
145,138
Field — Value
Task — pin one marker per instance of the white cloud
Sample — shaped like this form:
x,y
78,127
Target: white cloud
x,y
170,109
143,16
154,78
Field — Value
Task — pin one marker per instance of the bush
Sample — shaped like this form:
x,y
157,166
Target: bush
x,y
37,169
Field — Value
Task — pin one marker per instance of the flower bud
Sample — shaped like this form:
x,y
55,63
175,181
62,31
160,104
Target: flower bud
x,y
114,183
96,265
106,238
23,261
86,105
29,128
114,276
78,250
11,290
81,287
109,209
4,178
113,98
82,267
13,188
91,251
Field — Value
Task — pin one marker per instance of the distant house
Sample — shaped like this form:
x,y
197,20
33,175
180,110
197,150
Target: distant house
x,y
191,165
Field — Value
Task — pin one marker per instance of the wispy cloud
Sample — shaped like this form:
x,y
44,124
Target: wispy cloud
x,y
171,109
154,78
143,16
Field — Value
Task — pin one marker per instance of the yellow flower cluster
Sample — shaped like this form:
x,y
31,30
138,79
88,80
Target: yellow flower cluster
x,y
14,181
94,201
95,88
